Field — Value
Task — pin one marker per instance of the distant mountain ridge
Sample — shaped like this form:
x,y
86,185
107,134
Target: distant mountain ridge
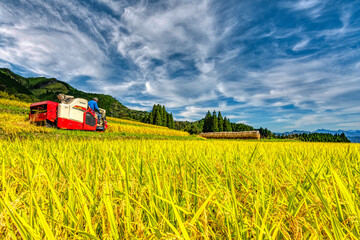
x,y
35,89
352,135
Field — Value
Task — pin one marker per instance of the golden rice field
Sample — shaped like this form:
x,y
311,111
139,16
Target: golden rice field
x,y
171,189
15,103
122,125
144,129
13,124
132,122
83,188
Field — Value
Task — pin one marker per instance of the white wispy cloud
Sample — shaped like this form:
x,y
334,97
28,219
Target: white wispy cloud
x,y
300,45
355,125
306,4
307,84
185,28
313,8
47,46
191,113
195,56
345,29
335,120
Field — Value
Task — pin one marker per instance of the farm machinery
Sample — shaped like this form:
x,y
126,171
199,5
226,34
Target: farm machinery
x,y
72,113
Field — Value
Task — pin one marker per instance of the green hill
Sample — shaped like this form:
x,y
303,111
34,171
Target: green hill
x,y
40,88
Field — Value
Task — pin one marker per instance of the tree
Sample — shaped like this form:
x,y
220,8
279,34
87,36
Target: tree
x,y
193,129
150,118
171,124
152,114
214,123
207,122
227,125
265,133
220,122
158,118
168,121
164,116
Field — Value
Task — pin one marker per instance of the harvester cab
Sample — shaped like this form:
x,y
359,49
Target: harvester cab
x,y
71,113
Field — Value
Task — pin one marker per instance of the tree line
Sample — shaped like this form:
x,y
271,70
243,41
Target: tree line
x,y
305,137
316,137
216,123
159,116
266,133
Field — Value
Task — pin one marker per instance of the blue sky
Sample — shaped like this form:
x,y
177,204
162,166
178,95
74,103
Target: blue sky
x,y
278,64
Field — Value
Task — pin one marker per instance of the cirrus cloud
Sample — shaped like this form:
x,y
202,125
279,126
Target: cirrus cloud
x,y
289,64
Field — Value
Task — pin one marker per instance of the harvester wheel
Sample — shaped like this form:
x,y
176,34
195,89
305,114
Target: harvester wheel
x,y
50,124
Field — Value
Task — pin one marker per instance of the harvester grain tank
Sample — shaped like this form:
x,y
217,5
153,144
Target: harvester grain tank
x,y
72,113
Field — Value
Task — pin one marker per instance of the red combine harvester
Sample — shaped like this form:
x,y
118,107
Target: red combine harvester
x,y
72,113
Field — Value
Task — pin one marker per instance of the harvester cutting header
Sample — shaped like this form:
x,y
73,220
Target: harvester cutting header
x,y
72,113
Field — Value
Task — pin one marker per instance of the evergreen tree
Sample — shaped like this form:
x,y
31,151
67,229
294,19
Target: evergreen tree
x,y
214,123
158,118
172,124
207,122
168,120
151,118
164,116
261,131
153,112
152,115
265,133
227,125
220,122
145,119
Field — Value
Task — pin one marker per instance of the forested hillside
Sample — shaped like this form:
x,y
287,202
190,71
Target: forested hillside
x,y
41,88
